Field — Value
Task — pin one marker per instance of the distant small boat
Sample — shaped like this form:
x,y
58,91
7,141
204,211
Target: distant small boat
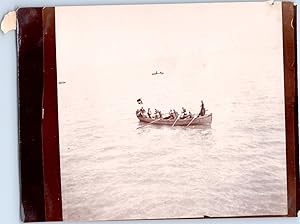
x,y
61,82
200,120
157,73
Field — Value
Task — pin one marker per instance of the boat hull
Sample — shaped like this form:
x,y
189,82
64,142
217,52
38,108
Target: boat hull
x,y
201,120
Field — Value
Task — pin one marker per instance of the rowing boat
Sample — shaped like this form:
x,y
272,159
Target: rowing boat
x,y
200,120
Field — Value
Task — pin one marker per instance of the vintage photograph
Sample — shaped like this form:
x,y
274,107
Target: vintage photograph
x,y
169,111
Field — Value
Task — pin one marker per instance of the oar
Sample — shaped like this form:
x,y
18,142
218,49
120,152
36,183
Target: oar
x,y
149,123
191,121
176,120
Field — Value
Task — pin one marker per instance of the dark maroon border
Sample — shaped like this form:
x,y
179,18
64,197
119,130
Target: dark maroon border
x,y
50,131
30,81
38,114
38,123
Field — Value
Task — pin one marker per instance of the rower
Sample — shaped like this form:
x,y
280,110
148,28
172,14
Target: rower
x,y
167,117
172,116
149,113
184,114
138,113
175,113
156,114
160,114
190,115
143,111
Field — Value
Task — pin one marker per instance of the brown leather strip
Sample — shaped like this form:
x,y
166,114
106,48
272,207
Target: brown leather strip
x,y
30,81
296,111
50,136
291,108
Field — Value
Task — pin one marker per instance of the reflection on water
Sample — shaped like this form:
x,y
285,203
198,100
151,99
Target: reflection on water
x,y
143,125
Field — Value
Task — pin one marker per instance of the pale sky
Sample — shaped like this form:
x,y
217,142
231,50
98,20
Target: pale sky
x,y
215,44
165,36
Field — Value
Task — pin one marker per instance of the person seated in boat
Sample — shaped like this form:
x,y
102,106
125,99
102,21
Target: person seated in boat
x,y
156,114
143,112
183,113
169,116
149,113
190,115
160,114
175,113
140,112
202,110
172,114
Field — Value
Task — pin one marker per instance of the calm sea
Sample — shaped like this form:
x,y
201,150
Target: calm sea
x,y
112,170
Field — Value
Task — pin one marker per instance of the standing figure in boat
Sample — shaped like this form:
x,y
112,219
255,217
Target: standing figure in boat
x,y
202,110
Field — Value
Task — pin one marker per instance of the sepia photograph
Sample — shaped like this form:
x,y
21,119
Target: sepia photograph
x,y
169,111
